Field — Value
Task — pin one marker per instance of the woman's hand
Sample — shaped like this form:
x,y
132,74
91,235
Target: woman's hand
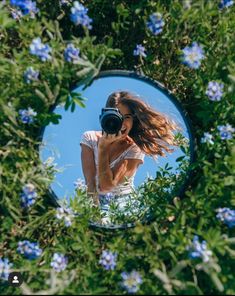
x,y
107,139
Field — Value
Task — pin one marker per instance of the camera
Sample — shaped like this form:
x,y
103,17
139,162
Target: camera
x,y
111,120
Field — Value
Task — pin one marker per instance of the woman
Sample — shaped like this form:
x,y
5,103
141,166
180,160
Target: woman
x,y
110,161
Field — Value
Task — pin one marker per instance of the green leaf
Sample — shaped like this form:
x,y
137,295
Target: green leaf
x,y
228,181
182,148
80,74
230,251
99,62
73,106
79,102
232,78
5,20
161,276
216,281
178,268
41,96
180,158
67,103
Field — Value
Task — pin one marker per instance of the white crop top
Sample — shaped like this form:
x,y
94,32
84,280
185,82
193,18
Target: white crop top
x,y
90,139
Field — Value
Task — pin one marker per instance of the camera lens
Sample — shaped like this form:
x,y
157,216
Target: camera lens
x,y
111,120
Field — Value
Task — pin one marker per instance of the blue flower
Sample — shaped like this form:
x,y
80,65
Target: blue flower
x,y
31,75
199,250
225,3
29,195
39,49
26,6
108,260
5,267
65,2
59,262
105,199
215,90
193,55
66,214
207,138
27,116
80,185
71,53
226,131
227,216
29,7
155,23
29,250
140,50
16,2
16,14
79,15
131,281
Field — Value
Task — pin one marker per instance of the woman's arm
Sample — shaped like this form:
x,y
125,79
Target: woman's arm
x,y
89,171
107,178
110,178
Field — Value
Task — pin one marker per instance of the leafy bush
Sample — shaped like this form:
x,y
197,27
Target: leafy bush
x,y
189,47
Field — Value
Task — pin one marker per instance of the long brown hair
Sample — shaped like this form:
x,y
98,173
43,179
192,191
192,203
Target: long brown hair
x,y
152,131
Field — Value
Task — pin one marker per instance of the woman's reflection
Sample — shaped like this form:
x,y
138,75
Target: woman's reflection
x,y
110,160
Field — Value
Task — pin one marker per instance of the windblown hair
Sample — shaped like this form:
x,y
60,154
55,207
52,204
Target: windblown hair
x,y
152,131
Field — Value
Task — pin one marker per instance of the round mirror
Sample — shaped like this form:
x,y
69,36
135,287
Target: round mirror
x,y
126,160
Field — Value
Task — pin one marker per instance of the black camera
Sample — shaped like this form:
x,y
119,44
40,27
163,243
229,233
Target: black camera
x,y
111,120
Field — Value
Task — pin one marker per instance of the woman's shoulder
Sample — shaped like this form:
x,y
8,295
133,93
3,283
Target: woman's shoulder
x,y
92,135
136,148
134,152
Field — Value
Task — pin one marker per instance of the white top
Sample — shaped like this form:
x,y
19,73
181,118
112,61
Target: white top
x,y
90,139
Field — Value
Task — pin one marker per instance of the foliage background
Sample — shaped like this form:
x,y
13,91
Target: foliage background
x,y
158,250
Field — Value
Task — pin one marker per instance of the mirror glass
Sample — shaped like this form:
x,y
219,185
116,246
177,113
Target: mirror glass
x,y
61,147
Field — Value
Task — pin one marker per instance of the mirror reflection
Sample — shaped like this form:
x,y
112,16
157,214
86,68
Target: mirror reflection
x,y
131,131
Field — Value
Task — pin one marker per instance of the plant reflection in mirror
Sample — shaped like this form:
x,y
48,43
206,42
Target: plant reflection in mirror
x,y
143,203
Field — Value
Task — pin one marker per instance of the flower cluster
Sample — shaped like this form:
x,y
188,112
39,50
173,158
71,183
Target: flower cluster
x,y
226,131
26,7
29,250
5,267
192,55
80,185
131,281
215,90
199,250
225,3
40,50
155,23
66,214
207,138
106,198
227,216
79,15
28,196
139,51
16,14
108,260
31,75
71,53
59,262
27,115
49,161
65,2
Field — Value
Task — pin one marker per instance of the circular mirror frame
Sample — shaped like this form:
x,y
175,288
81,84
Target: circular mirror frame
x,y
53,199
